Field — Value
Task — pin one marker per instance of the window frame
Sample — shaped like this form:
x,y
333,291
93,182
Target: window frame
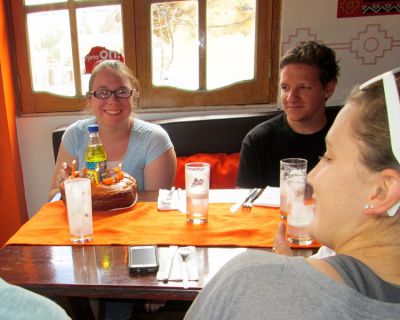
x,y
136,19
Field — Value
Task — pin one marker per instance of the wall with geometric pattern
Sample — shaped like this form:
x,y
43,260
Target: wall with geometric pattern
x,y
365,46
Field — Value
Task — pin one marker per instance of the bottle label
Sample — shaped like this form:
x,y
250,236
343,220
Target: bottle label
x,y
93,175
96,171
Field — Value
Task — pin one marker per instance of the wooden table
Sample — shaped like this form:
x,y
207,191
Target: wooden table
x,y
101,271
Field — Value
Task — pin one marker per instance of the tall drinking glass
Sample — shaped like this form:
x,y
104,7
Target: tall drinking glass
x,y
79,207
289,168
197,183
300,211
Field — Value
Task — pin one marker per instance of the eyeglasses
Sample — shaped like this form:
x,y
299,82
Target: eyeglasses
x,y
104,94
392,98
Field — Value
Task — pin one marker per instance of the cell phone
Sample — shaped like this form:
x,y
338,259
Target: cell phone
x,y
143,259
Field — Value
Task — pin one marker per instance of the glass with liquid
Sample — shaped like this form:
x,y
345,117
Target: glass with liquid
x,y
289,168
79,209
300,212
197,183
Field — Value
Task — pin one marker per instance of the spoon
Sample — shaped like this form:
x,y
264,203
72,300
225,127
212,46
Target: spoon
x,y
184,254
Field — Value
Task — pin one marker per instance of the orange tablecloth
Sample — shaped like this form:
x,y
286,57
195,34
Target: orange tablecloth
x,y
144,224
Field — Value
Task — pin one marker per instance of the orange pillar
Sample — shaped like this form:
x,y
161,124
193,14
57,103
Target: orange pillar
x,y
13,212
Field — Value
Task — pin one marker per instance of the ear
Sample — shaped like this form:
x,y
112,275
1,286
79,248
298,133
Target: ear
x,y
386,193
329,89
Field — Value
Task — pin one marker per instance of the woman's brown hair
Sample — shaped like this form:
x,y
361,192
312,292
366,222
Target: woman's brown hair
x,y
372,128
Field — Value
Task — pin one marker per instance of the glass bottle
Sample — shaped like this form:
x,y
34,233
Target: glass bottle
x,y
95,156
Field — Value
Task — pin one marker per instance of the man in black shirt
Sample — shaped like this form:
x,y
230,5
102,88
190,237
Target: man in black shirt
x,y
308,77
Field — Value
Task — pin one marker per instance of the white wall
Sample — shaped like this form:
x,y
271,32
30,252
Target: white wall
x,y
365,46
35,145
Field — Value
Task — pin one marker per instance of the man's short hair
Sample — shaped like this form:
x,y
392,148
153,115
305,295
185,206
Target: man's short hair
x,y
313,54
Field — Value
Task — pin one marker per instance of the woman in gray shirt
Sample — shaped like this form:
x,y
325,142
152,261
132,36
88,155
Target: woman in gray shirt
x,y
357,195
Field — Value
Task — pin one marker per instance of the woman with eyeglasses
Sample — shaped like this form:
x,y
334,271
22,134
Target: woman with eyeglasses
x,y
357,194
144,149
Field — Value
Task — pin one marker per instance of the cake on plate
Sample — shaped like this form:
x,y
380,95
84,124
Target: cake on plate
x,y
117,190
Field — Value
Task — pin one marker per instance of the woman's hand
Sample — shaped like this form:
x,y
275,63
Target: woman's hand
x,y
281,244
61,170
64,173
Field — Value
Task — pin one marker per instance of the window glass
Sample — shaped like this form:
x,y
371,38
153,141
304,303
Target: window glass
x,y
34,2
185,53
98,27
50,52
231,41
174,43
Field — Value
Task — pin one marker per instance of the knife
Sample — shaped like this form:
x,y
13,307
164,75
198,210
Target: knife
x,y
255,196
167,270
238,204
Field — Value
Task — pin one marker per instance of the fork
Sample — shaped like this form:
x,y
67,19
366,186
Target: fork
x,y
249,203
239,203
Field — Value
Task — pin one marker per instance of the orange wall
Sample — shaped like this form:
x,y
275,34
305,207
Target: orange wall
x,y
13,211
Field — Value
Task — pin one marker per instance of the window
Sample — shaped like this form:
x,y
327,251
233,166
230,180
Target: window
x,y
187,53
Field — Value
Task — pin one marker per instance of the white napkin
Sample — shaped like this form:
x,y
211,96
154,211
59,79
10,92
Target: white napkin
x,y
222,196
171,200
269,198
176,269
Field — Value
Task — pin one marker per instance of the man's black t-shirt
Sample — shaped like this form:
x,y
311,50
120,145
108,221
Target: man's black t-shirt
x,y
271,141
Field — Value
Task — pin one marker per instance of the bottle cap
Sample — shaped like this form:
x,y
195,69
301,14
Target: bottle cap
x,y
93,128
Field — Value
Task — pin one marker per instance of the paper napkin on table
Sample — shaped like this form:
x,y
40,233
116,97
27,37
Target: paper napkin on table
x,y
269,198
171,200
227,196
177,267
